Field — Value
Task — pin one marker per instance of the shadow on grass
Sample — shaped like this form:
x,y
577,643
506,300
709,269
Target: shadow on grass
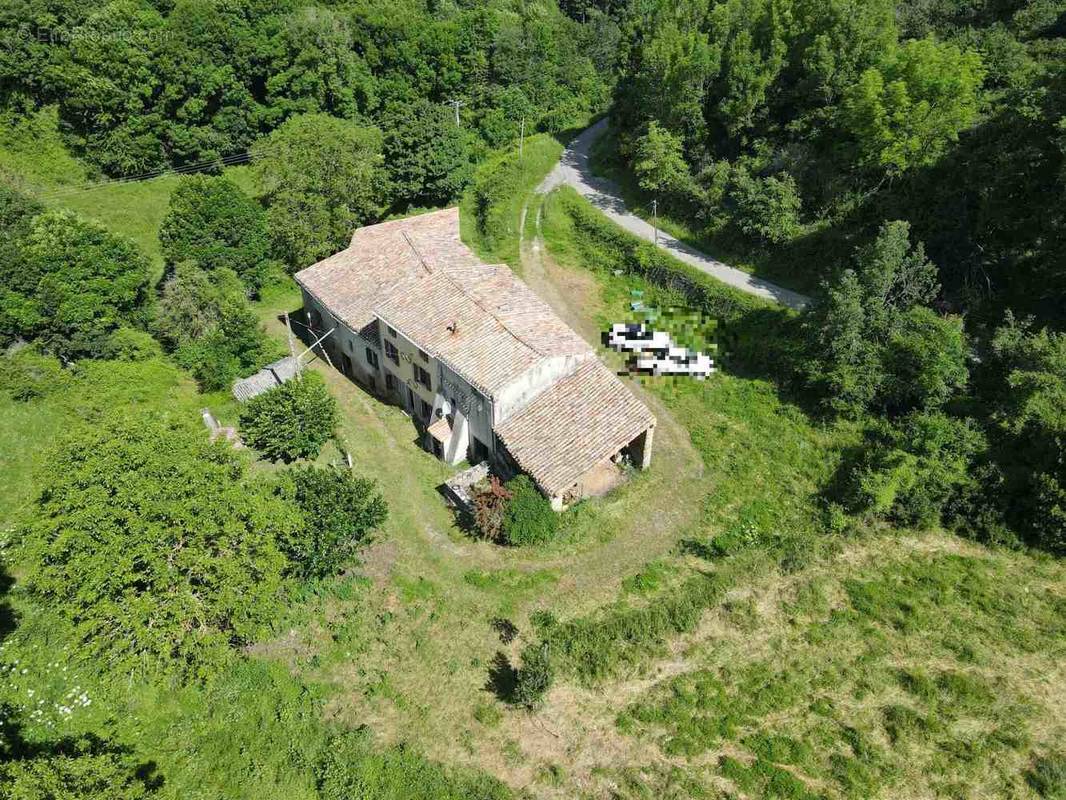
x,y
8,617
503,678
68,757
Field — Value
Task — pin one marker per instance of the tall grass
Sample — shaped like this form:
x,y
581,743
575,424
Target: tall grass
x,y
618,639
492,207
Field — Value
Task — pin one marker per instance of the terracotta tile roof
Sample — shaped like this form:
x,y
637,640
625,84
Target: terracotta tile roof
x,y
440,430
489,330
570,427
379,257
418,276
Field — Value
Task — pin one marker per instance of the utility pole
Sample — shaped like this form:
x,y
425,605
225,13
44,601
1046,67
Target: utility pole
x,y
456,104
655,219
292,348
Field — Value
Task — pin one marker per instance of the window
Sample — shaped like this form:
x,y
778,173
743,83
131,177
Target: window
x,y
371,358
427,409
423,377
392,353
390,381
423,355
391,330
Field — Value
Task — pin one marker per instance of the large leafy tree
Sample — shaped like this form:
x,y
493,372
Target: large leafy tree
x,y
213,223
660,163
315,68
1029,384
339,512
428,157
873,341
69,283
907,111
155,544
206,321
322,177
291,421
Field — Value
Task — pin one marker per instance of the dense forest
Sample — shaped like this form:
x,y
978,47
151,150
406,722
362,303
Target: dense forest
x,y
902,161
906,160
803,126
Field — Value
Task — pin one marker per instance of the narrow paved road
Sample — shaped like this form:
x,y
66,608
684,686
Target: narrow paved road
x,y
573,169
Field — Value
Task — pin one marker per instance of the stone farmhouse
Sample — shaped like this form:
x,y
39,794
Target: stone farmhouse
x,y
482,365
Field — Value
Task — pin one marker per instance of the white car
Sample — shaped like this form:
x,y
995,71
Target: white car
x,y
676,361
633,337
655,352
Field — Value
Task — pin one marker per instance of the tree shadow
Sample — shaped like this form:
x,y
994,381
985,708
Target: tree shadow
x,y
8,615
503,678
506,629
14,747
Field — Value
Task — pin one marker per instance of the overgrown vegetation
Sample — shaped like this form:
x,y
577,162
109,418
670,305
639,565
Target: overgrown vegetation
x,y
155,545
528,518
895,686
183,617
67,282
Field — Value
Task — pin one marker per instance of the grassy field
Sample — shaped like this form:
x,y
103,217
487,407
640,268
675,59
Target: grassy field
x,y
34,158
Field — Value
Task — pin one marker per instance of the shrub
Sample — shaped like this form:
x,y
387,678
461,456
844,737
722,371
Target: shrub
x,y
768,208
925,359
28,374
207,322
489,503
153,543
353,767
911,471
83,768
1048,776
292,421
535,676
1029,389
529,518
130,344
604,643
339,511
70,283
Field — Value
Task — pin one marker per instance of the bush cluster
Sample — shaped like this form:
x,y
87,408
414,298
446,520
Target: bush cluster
x,y
339,511
534,677
291,421
528,518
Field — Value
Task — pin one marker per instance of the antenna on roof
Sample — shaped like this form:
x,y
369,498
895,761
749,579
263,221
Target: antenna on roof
x,y
411,244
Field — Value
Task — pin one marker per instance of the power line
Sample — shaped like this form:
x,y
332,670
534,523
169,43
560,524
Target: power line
x,y
224,161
